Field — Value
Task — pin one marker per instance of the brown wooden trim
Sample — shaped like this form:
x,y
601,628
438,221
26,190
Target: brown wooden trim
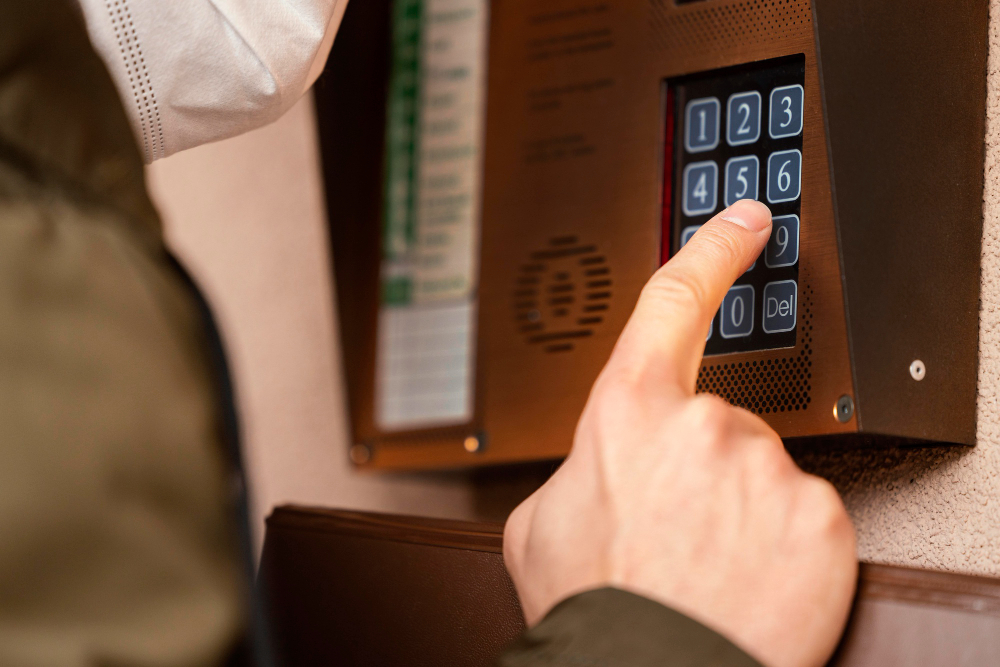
x,y
449,533
941,589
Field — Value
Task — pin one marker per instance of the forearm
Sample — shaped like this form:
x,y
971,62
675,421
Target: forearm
x,y
613,628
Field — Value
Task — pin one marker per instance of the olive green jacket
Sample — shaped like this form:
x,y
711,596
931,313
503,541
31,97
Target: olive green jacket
x,y
118,543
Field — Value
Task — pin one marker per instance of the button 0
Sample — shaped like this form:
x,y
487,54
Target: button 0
x,y
743,118
786,112
779,306
737,312
701,188
741,179
784,176
783,246
701,125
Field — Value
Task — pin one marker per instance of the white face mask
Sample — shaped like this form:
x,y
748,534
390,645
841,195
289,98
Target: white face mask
x,y
194,71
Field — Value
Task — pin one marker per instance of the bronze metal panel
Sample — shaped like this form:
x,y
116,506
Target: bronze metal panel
x,y
573,172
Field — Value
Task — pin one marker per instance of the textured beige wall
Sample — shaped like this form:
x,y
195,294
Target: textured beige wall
x,y
247,217
932,508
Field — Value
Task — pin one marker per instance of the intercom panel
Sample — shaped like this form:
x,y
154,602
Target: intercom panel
x,y
537,165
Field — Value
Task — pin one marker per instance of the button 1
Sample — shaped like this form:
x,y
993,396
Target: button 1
x,y
783,246
779,306
741,179
701,125
701,187
687,233
743,118
786,112
784,176
737,312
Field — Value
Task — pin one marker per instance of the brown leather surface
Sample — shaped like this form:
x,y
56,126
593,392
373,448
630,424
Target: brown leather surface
x,y
353,588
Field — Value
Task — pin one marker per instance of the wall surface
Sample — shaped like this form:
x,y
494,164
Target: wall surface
x,y
938,508
247,216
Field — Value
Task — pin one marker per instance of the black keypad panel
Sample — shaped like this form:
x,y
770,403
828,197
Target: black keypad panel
x,y
737,134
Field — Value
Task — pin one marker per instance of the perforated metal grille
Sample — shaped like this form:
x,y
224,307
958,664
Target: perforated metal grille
x,y
562,294
777,384
714,24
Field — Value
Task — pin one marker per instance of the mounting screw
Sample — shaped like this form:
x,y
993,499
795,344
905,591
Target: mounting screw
x,y
843,409
361,454
474,444
917,370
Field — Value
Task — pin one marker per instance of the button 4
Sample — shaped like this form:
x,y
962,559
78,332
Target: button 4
x,y
701,188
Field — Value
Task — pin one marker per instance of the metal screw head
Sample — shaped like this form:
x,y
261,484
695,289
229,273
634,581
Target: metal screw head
x,y
917,370
360,454
472,444
843,409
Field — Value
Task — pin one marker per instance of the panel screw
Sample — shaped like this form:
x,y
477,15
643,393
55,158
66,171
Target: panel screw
x,y
361,454
917,370
843,409
473,444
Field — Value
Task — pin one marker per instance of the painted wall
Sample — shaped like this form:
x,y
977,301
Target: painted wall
x,y
247,216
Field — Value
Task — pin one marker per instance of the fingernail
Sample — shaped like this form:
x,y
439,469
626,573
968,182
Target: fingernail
x,y
748,214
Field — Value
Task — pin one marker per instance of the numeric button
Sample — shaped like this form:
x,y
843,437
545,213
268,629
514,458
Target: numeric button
x,y
736,319
743,118
701,124
779,306
741,179
701,188
687,233
783,246
784,176
786,112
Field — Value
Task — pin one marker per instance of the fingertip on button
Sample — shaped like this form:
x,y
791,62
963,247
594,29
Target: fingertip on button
x,y
748,214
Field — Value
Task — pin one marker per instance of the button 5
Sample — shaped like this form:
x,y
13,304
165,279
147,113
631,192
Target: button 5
x,y
741,179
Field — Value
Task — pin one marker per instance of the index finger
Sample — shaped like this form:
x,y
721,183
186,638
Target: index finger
x,y
665,336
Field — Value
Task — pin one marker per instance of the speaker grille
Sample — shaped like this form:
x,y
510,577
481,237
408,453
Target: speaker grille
x,y
778,384
562,294
714,24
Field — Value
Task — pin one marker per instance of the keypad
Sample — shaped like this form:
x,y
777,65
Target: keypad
x,y
748,146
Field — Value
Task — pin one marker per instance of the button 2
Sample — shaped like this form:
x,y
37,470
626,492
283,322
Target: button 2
x,y
786,112
741,179
783,246
743,118
779,306
737,312
784,176
701,188
701,123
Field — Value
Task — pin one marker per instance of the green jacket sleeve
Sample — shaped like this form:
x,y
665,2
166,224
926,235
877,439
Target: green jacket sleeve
x,y
611,627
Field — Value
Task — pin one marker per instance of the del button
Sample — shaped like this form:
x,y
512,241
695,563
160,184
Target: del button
x,y
779,306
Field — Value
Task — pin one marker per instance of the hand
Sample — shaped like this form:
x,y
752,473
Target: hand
x,y
685,499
